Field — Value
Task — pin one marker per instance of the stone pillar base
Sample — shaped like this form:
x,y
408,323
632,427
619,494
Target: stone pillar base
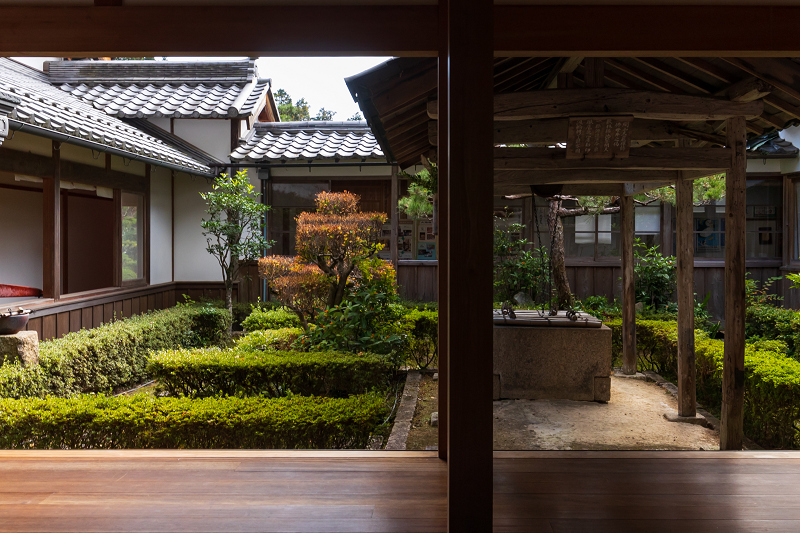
x,y
22,347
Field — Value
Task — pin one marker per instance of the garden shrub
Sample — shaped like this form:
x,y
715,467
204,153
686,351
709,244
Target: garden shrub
x,y
770,322
238,372
279,318
772,380
113,355
422,344
144,421
419,306
270,339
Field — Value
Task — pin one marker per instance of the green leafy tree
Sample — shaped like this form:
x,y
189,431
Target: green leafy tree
x,y
357,116
234,228
324,114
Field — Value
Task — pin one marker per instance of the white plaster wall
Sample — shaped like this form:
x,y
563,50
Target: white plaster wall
x,y
792,135
764,165
21,239
79,154
192,262
210,135
161,122
160,226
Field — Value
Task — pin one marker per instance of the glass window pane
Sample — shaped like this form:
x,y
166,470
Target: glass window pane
x,y
647,219
764,215
132,236
296,194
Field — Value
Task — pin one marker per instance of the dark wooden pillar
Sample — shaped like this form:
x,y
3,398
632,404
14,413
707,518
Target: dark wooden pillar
x,y
51,249
685,254
628,294
444,217
731,433
145,255
395,215
470,188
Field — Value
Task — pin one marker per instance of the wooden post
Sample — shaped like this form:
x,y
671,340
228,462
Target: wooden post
x,y
51,249
685,252
444,217
628,294
470,159
594,74
731,433
145,255
395,215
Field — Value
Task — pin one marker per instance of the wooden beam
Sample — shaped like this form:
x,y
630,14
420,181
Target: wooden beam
x,y
747,90
626,233
531,177
646,30
731,432
569,189
566,65
51,241
594,67
655,158
606,102
632,189
406,94
554,130
78,31
17,162
781,73
646,77
687,395
470,90
675,74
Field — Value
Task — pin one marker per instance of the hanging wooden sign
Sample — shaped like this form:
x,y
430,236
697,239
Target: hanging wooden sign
x,y
599,137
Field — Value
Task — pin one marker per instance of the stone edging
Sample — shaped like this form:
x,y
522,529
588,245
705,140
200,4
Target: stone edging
x,y
405,413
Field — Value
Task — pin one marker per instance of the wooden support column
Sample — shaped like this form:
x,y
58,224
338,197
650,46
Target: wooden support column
x,y
731,433
628,293
444,218
395,215
51,249
145,256
470,91
685,251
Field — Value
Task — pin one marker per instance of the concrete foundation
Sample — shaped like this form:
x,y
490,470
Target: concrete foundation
x,y
568,363
22,347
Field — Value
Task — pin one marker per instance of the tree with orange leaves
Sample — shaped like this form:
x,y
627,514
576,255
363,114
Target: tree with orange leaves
x,y
330,244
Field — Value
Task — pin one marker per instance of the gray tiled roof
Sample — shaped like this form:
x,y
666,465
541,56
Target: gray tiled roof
x,y
45,106
307,141
145,89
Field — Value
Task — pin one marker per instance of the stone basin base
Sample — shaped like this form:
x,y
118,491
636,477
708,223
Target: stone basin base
x,y
566,363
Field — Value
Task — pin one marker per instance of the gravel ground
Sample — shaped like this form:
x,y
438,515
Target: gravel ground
x,y
632,420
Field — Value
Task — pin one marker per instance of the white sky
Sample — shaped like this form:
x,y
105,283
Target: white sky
x,y
320,80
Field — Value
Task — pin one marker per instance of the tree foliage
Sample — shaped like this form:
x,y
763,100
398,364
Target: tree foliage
x,y
234,227
331,243
291,111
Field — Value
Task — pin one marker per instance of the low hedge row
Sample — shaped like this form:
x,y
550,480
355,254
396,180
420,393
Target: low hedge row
x,y
264,318
143,421
772,379
240,372
270,339
113,355
774,323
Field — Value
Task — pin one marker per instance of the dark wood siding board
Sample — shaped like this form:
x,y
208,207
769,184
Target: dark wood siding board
x,y
97,316
75,320
143,304
62,324
584,282
118,310
571,278
35,324
151,301
616,272
108,312
87,318
171,298
135,306
700,284
603,282
49,327
195,294
159,301
127,308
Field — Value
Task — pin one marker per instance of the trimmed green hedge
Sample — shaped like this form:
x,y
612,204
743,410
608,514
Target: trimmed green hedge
x,y
239,372
142,421
261,319
774,323
269,339
772,379
422,345
113,355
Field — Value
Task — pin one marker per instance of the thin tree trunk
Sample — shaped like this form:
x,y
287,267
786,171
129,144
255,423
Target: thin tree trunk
x,y
560,280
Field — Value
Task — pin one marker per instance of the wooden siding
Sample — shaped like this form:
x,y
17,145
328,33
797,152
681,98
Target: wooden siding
x,y
52,320
418,280
603,280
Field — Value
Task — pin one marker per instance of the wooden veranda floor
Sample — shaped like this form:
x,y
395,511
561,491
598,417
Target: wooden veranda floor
x,y
210,491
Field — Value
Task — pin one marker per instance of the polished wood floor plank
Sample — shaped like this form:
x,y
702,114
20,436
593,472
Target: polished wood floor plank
x,y
298,492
